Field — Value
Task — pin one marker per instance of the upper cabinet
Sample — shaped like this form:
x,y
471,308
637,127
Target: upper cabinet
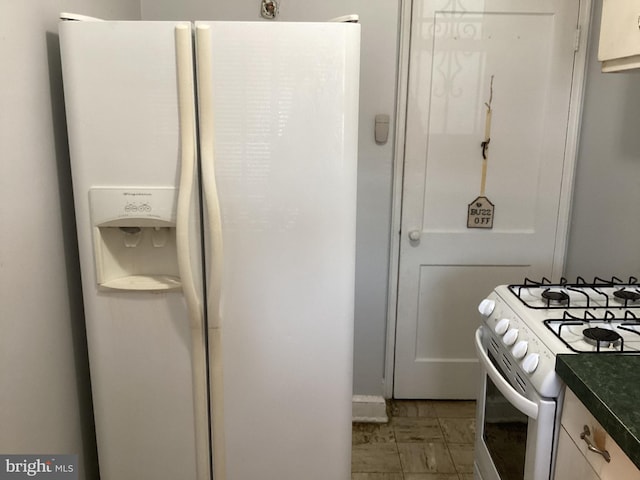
x,y
619,47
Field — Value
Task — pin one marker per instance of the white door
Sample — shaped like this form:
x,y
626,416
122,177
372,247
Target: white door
x,y
457,46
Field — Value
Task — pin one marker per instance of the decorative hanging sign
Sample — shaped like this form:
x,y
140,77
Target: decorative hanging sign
x,y
480,212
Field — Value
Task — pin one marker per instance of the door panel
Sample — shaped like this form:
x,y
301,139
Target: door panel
x,y
446,269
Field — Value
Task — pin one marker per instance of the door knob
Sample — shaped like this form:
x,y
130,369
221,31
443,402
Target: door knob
x,y
414,235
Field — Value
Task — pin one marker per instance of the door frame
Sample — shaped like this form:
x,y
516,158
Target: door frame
x,y
568,172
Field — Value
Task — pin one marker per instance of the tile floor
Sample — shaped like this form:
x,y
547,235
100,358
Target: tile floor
x,y
424,440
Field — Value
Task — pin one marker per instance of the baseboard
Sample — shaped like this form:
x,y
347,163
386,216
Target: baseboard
x,y
369,409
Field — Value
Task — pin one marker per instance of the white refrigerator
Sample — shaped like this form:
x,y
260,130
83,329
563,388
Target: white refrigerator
x,y
214,177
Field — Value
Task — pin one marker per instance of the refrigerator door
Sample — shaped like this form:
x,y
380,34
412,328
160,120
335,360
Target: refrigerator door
x,y
122,114
284,101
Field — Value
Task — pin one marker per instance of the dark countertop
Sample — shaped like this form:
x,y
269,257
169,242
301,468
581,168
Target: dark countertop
x,y
609,386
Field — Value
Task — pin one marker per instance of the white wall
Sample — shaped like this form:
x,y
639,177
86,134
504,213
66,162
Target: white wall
x,y
45,404
379,20
605,228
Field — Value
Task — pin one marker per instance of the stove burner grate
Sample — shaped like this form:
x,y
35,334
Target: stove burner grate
x,y
579,294
568,325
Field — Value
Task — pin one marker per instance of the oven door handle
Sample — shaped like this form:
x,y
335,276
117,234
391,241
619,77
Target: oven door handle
x,y
526,406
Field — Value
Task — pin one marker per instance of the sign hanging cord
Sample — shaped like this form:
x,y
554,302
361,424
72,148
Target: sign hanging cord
x,y
487,139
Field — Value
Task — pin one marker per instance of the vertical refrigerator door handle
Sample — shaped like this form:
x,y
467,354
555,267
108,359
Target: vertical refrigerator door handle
x,y
186,104
204,60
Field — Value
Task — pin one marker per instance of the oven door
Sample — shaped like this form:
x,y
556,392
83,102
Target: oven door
x,y
516,428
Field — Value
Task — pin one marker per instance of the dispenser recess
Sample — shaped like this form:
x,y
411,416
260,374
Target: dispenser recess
x,y
134,238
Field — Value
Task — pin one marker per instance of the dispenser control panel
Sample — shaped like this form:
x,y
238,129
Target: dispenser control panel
x,y
112,205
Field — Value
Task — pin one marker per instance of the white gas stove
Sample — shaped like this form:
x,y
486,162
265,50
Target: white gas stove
x,y
524,327
535,321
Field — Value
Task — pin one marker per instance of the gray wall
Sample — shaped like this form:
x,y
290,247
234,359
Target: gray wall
x,y
379,20
605,228
45,404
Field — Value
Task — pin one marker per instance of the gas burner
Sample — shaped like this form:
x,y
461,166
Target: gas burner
x,y
601,337
555,297
626,296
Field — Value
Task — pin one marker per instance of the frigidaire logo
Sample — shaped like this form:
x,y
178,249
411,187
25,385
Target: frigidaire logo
x,y
53,467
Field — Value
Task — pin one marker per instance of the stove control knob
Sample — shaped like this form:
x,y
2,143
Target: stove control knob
x,y
520,349
510,337
530,363
502,326
486,307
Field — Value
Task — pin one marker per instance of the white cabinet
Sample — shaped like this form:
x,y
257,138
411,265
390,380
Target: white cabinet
x,y
619,47
575,461
571,464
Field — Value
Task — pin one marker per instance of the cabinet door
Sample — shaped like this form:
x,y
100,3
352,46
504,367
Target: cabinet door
x,y
619,34
575,416
570,463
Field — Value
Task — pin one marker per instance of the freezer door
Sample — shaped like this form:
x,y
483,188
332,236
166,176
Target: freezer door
x,y
282,143
122,113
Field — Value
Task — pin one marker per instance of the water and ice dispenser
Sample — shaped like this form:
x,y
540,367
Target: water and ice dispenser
x,y
134,235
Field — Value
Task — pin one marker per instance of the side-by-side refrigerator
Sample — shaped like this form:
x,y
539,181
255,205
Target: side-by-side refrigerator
x,y
214,176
